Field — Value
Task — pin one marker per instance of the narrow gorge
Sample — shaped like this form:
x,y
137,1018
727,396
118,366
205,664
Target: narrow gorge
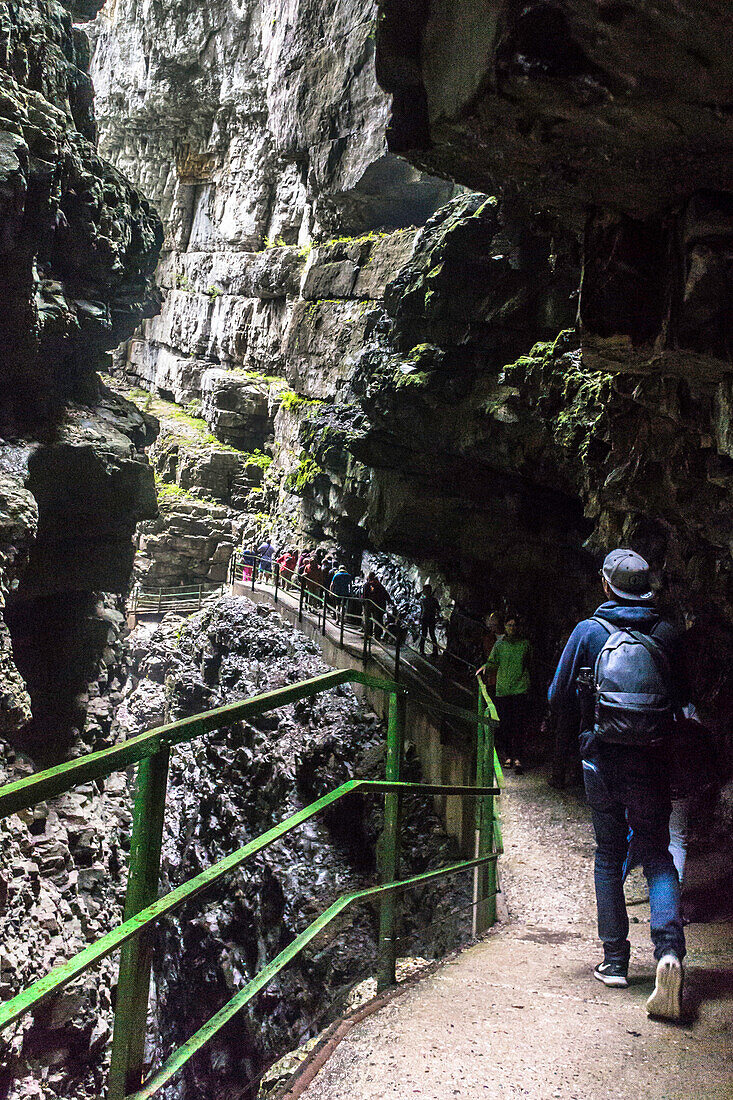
x,y
443,288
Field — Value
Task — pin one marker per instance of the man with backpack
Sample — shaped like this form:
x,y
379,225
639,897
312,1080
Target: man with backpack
x,y
618,682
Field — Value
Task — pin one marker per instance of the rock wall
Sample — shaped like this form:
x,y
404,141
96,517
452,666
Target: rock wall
x,y
258,130
565,108
79,246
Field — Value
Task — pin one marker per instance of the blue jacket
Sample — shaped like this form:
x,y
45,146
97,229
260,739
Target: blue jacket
x,y
341,583
587,641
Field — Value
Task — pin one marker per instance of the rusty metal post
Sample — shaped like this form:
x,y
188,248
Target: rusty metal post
x,y
484,882
276,571
389,845
300,600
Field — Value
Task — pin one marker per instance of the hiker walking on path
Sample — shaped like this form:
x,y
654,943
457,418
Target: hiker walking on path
x,y
429,611
341,583
628,656
265,554
375,598
510,659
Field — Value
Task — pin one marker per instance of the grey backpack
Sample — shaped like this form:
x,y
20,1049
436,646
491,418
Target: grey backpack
x,y
633,682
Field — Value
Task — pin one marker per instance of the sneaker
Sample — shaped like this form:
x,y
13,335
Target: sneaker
x,y
666,1000
612,973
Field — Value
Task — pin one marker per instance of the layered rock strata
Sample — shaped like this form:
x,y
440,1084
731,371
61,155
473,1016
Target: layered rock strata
x,y
79,246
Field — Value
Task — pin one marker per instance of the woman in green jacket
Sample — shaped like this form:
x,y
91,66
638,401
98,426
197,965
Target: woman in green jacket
x,y
511,658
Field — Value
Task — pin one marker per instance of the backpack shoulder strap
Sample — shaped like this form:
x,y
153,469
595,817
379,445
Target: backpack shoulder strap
x,y
605,624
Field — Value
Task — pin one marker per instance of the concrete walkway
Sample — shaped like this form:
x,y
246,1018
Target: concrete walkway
x,y
520,1014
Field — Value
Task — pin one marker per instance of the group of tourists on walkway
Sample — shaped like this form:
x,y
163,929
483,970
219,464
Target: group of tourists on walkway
x,y
321,570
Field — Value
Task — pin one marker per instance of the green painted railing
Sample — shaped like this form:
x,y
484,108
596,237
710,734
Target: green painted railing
x,y
151,751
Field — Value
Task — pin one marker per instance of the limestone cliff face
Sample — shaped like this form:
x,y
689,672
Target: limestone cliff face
x,y
389,373
257,129
78,246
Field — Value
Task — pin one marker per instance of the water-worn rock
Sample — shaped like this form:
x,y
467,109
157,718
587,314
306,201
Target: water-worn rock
x,y
78,247
230,786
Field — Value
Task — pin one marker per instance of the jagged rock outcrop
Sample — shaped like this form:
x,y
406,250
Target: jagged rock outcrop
x,y
618,106
79,246
563,107
62,864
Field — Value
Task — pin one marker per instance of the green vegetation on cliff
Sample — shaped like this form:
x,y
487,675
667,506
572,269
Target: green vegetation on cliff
x,y
572,399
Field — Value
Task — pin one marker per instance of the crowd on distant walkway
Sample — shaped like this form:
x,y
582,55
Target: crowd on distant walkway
x,y
321,570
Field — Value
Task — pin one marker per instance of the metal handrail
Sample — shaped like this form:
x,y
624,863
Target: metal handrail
x,y
143,908
306,586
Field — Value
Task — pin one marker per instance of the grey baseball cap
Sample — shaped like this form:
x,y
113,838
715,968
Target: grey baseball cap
x,y
627,575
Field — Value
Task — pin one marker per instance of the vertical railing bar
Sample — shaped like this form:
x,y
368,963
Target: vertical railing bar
x,y
343,620
389,845
133,986
484,894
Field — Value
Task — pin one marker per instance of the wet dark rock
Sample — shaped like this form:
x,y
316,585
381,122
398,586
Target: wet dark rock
x,y
78,247
227,788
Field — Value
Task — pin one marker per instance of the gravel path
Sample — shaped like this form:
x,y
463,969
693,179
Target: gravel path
x,y
520,1015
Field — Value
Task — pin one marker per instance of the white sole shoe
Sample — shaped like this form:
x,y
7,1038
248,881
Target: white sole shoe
x,y
666,1000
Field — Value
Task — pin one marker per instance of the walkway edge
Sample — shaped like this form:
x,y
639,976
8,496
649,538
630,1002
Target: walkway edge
x,y
304,1075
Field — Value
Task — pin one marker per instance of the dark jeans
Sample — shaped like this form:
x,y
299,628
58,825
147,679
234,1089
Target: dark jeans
x,y
628,788
428,627
512,711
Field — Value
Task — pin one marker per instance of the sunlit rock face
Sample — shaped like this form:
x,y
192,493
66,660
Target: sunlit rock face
x,y
259,131
78,247
247,119
255,127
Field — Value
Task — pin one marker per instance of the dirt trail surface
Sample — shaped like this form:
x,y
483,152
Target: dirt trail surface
x,y
520,1014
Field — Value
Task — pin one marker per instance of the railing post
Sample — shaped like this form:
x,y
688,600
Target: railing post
x,y
160,599
131,1010
300,600
389,845
255,563
342,621
325,609
484,881
276,570
201,590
